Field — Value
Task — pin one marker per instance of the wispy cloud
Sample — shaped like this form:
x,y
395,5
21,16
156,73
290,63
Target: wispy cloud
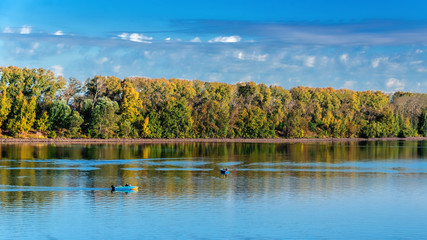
x,y
362,33
58,70
135,37
25,30
230,39
102,60
252,56
196,39
7,30
116,68
308,61
349,84
58,33
344,58
395,84
376,62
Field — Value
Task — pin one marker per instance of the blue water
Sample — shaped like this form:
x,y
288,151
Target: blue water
x,y
273,192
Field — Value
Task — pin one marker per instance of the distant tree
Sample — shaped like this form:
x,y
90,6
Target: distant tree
x,y
59,114
253,123
422,125
74,122
154,126
5,101
176,119
104,119
100,86
42,124
73,88
131,105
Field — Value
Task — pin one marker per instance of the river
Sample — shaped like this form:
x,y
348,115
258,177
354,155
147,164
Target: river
x,y
347,190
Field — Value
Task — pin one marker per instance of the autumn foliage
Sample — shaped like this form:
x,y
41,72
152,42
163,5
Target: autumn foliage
x,y
34,100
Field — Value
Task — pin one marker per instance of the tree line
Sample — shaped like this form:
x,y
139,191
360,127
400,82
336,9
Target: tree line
x,y
34,102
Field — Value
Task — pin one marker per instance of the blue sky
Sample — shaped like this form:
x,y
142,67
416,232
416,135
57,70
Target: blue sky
x,y
358,45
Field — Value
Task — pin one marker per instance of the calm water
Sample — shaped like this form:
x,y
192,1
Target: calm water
x,y
366,190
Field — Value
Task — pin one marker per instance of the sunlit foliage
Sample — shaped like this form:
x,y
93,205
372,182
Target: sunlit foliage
x,y
138,107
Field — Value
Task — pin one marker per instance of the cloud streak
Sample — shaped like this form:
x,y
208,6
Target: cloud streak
x,y
230,39
135,37
305,33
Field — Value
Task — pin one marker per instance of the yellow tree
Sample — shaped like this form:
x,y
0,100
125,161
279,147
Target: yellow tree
x,y
5,102
131,107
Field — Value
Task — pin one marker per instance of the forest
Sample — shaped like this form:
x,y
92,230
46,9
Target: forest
x,y
35,103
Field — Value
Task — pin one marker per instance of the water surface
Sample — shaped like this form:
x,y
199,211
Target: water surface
x,y
364,190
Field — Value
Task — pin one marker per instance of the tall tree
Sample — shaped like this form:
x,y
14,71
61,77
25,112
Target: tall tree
x,y
104,119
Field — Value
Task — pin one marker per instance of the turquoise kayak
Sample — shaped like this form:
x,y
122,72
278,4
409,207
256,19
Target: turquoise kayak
x,y
124,188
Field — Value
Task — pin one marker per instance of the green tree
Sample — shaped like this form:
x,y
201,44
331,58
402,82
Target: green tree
x,y
253,123
74,122
104,119
5,101
176,119
422,125
42,124
154,126
59,115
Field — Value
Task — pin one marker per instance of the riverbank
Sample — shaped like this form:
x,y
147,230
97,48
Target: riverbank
x,y
196,140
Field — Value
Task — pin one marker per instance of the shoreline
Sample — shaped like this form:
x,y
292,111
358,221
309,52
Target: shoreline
x,y
198,140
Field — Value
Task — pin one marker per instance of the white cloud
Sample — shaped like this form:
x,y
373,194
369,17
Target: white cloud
x,y
196,39
25,30
294,80
167,39
310,61
349,84
214,77
102,60
344,58
324,61
422,69
59,48
253,56
116,69
123,36
230,39
396,84
376,62
58,33
246,78
58,70
419,51
135,37
7,30
240,56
